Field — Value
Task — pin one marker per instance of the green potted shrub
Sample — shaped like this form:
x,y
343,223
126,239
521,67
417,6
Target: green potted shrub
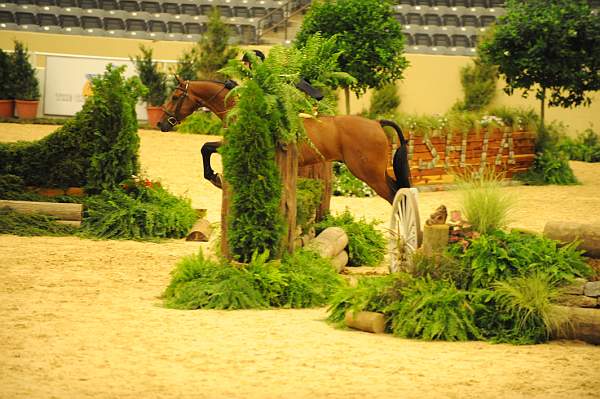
x,y
6,90
25,83
155,81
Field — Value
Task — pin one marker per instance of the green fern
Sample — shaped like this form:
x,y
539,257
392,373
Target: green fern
x,y
434,310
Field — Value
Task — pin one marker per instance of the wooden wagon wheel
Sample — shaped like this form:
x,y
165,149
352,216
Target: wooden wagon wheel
x,y
405,229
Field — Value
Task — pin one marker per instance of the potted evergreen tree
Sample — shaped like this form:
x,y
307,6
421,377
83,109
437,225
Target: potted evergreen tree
x,y
155,81
25,83
6,90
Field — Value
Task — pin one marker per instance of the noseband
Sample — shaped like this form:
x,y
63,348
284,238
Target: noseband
x,y
173,117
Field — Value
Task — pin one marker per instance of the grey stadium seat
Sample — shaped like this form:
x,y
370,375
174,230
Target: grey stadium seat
x,y
87,4
175,27
408,39
151,7
25,18
479,3
441,40
114,24
171,8
91,23
469,20
432,19
157,26
422,39
413,19
487,20
129,5
450,20
192,28
189,9
66,3
136,25
108,5
460,41
69,21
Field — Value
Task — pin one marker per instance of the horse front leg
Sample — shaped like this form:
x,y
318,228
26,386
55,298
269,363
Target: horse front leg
x,y
209,174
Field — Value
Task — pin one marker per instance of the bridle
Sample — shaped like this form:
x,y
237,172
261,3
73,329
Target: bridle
x,y
173,117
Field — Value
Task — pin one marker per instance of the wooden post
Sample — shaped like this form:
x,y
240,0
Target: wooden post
x,y
287,160
225,203
435,238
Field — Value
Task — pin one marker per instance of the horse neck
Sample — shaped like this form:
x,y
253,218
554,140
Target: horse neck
x,y
212,95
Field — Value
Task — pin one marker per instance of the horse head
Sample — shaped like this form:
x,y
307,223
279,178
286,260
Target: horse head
x,y
188,96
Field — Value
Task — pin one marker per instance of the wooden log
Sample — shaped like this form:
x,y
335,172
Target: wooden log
x,y
58,210
201,231
330,242
435,238
585,325
74,223
340,261
366,321
588,234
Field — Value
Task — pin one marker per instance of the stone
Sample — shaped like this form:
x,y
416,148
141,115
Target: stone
x,y
592,288
576,288
578,301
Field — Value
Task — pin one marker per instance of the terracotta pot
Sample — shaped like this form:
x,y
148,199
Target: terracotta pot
x,y
26,109
7,108
154,115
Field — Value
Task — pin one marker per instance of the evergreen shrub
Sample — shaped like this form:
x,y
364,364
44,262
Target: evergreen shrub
x,y
384,101
16,223
96,149
25,85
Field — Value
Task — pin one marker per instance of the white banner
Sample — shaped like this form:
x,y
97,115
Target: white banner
x,y
68,78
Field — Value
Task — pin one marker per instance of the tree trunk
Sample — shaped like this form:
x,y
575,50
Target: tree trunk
x,y
542,108
347,95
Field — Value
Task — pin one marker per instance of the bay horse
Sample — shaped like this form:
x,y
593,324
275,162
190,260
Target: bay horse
x,y
360,143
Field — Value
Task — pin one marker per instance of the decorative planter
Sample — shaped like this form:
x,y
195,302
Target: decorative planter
x,y
154,115
26,109
7,108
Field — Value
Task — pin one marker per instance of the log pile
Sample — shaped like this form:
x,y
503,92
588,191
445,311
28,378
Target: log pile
x,y
65,213
331,244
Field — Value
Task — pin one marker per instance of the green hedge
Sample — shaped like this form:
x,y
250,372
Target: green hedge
x,y
96,149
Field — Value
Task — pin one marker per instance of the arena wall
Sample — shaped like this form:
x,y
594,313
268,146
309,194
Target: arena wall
x,y
431,83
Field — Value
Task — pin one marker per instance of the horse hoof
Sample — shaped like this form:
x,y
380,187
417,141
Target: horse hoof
x,y
217,180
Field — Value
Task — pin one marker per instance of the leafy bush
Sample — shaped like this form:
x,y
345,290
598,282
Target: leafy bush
x,y
6,86
433,310
97,149
12,222
520,310
140,210
303,279
551,164
485,205
346,185
371,294
500,255
201,123
585,147
366,244
384,101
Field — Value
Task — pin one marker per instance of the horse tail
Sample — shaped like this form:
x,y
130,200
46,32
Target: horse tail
x,y
400,160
